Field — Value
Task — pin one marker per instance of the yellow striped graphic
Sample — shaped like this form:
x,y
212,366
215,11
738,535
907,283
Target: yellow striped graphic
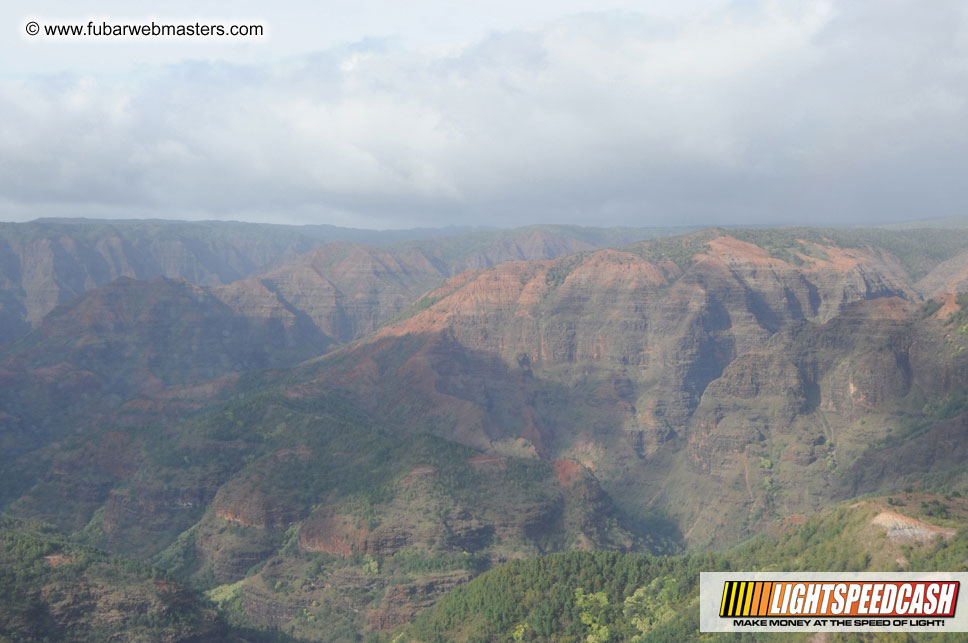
x,y
745,598
750,587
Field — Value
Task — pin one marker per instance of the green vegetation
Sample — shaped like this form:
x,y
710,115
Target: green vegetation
x,y
959,319
918,249
53,589
285,460
934,411
929,308
563,267
421,305
606,596
574,596
680,250
459,248
567,597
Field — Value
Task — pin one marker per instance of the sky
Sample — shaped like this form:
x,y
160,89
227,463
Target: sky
x,y
383,114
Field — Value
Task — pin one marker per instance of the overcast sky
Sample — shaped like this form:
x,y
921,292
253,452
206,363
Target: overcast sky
x,y
425,113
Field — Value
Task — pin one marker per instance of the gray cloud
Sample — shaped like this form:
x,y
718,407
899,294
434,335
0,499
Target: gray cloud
x,y
761,113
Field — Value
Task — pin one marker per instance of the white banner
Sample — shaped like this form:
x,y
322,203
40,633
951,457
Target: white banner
x,y
832,602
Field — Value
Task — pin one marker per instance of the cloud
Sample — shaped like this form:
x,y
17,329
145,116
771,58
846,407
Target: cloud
x,y
763,112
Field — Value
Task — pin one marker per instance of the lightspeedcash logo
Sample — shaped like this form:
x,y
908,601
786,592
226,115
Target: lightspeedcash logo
x,y
865,598
911,602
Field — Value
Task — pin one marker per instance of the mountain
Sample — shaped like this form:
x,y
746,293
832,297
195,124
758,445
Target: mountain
x,y
48,262
130,339
349,290
159,338
703,377
347,438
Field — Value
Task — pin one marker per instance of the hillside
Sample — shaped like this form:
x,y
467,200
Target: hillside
x,y
274,505
52,589
634,597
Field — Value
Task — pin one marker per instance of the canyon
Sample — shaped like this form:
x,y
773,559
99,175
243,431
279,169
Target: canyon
x,y
346,431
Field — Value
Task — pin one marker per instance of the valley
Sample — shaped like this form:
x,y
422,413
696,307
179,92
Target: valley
x,y
346,436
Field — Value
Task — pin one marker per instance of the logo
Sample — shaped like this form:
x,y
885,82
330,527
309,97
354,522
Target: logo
x,y
909,602
834,599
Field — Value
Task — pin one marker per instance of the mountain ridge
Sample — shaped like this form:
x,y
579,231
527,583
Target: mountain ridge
x,y
50,261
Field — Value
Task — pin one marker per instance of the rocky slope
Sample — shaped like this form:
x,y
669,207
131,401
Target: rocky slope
x,y
690,374
48,262
349,290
